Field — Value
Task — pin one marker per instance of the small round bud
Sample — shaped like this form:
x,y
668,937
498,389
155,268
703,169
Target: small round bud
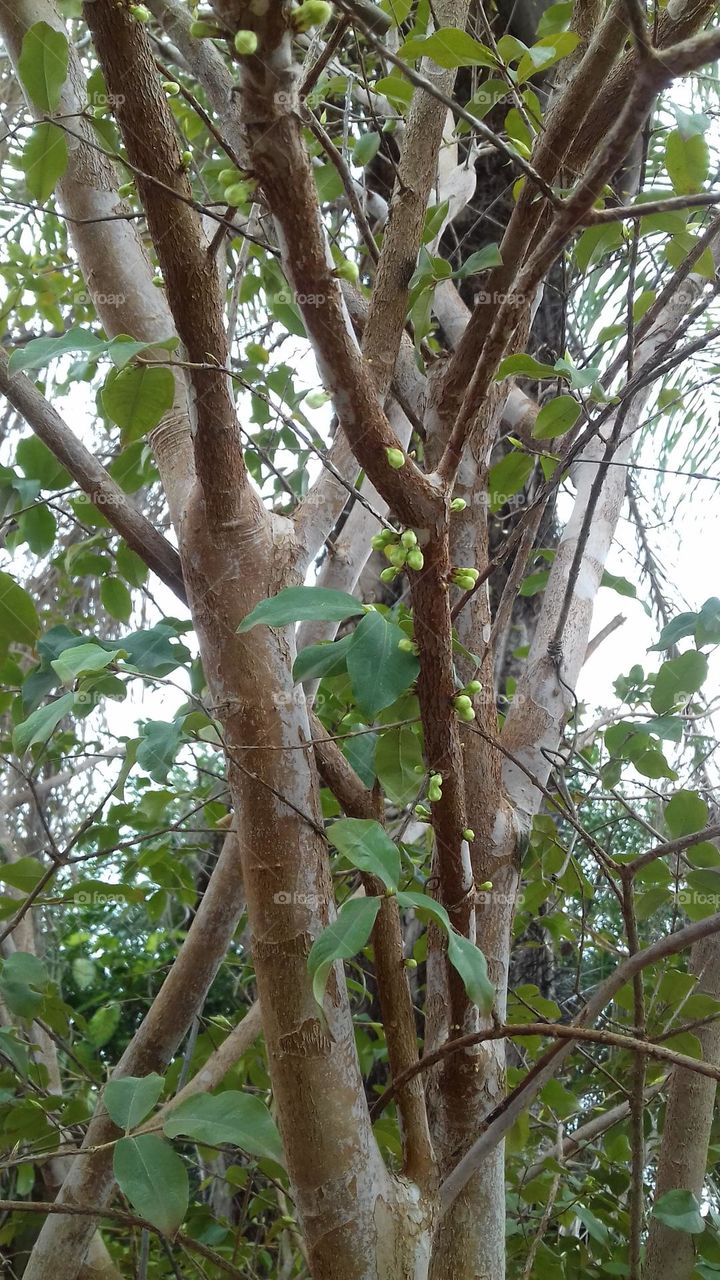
x,y
171,87
410,964
397,555
204,30
377,542
246,42
256,353
313,13
407,645
408,538
422,811
458,504
396,458
389,575
419,768
186,159
462,702
465,713
468,834
472,687
415,559
487,884
227,176
140,13
126,189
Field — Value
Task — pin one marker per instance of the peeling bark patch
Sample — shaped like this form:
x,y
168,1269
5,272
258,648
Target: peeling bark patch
x,y
297,946
311,1040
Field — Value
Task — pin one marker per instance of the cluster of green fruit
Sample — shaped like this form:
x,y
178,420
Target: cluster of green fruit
x,y
462,701
312,13
465,578
401,549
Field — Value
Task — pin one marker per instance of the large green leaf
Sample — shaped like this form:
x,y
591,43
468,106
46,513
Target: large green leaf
x,y
685,813
239,1119
341,940
319,660
22,980
680,1210
379,670
556,417
154,1179
130,1099
508,476
449,47
687,160
19,622
43,65
678,679
41,724
44,160
160,743
39,352
136,398
398,763
83,659
367,846
302,604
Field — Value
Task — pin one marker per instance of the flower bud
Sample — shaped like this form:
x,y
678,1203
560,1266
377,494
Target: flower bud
x,y
422,811
347,270
396,458
465,713
140,13
186,159
468,834
407,645
458,504
462,702
235,195
487,884
377,542
396,555
389,575
408,538
171,87
246,42
472,687
410,964
415,559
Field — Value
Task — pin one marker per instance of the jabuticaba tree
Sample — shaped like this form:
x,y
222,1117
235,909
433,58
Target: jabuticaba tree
x,y
347,296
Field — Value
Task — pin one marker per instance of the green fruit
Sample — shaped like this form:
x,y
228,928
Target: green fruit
x,y
408,538
396,555
462,702
472,687
236,195
389,575
422,812
465,713
377,542
487,884
407,645
186,159
434,794
396,458
458,504
205,30
256,353
140,13
347,271
468,834
171,87
313,13
246,42
411,964
126,189
227,176
415,559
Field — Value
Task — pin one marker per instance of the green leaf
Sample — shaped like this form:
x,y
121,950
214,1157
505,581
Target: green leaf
x,y
545,53
22,979
241,1119
341,940
130,1099
158,747
44,160
136,399
368,847
687,162
524,366
302,604
398,756
449,47
485,258
23,873
617,583
116,598
379,671
83,659
556,417
43,65
133,569
39,352
19,622
677,629
38,526
41,724
154,1179
365,149
679,1210
463,955
152,650
685,813
319,660
707,630
508,477
677,679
